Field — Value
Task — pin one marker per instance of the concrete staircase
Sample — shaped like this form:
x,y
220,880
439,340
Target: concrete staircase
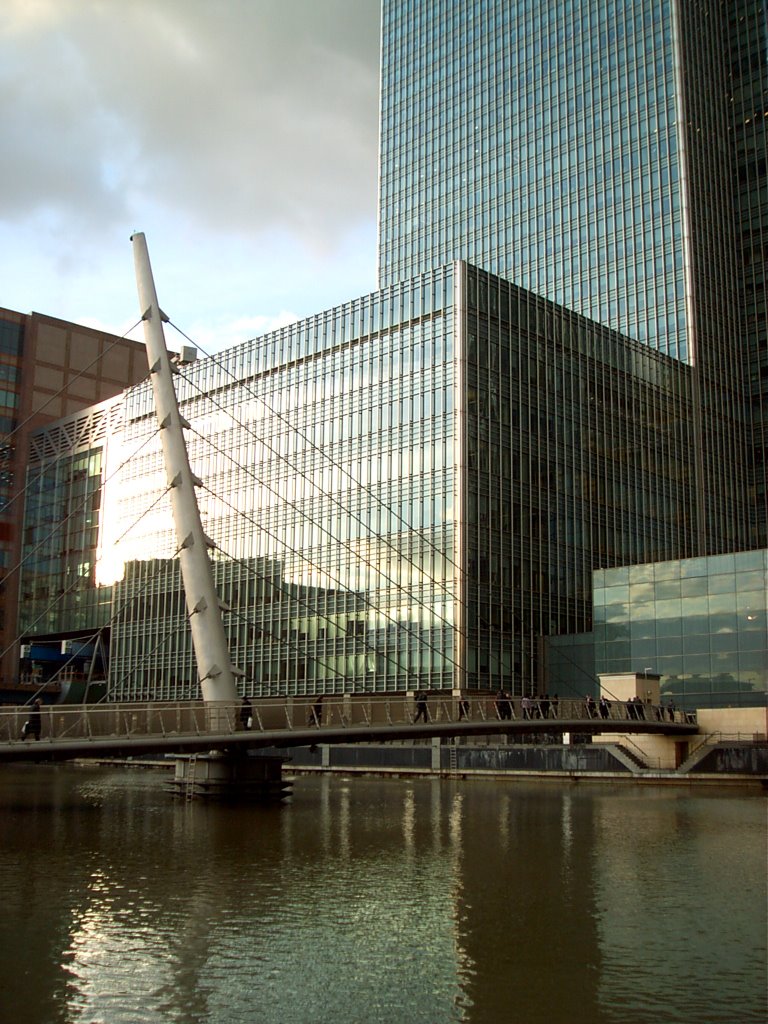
x,y
627,757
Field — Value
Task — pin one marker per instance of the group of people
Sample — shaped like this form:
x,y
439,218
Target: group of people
x,y
635,709
603,707
540,707
504,709
530,707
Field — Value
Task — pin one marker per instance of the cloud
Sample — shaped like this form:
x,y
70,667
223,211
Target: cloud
x,y
233,117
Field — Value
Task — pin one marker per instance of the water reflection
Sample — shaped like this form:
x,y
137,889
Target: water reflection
x,y
372,900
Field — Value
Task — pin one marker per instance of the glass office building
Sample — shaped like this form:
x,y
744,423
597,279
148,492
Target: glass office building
x,y
700,623
586,152
49,368
414,489
407,490
748,79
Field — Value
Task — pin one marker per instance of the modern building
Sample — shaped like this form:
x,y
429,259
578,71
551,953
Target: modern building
x,y
408,490
699,623
417,487
612,158
49,368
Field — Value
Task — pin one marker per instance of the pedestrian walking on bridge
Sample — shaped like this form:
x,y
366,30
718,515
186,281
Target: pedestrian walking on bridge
x,y
34,724
422,711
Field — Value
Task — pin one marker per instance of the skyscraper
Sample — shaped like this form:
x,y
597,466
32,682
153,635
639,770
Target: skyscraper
x,y
609,156
415,487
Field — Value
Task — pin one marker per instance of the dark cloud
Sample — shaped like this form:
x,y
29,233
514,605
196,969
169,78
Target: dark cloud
x,y
238,115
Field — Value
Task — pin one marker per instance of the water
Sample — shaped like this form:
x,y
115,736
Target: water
x,y
392,901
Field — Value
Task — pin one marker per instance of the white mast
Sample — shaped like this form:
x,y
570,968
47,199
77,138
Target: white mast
x,y
217,675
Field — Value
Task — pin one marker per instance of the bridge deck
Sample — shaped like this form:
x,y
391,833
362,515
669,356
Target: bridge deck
x,y
122,730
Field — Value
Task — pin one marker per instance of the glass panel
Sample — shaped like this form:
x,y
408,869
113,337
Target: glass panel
x,y
668,627
666,589
750,581
641,574
617,612
695,624
744,560
695,586
720,564
642,629
696,644
723,642
693,567
667,571
725,584
668,609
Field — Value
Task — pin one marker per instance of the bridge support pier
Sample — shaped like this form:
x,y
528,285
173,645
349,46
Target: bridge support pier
x,y
251,778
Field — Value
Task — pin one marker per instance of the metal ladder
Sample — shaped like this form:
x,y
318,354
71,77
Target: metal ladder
x,y
190,778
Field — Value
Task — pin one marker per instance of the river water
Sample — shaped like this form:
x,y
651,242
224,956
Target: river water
x,y
402,901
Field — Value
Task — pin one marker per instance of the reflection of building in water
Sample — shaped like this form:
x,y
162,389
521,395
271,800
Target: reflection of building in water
x,y
527,858
654,886
439,465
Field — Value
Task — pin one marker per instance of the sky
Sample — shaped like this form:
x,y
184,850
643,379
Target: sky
x,y
240,136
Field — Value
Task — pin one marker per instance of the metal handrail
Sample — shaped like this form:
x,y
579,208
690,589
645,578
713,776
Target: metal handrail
x,y
162,718
648,762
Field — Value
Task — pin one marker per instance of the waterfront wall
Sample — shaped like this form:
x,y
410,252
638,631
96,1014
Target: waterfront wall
x,y
448,758
615,758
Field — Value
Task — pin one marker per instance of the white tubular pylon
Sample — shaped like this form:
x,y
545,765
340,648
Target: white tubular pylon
x,y
217,676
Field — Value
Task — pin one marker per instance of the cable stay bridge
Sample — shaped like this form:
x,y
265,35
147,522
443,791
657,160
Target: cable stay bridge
x,y
215,729
102,731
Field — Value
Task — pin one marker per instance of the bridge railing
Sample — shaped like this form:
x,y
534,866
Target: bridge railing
x,y
83,722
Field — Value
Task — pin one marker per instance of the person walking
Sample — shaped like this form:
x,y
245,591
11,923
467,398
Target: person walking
x,y
422,711
246,714
316,712
34,724
499,704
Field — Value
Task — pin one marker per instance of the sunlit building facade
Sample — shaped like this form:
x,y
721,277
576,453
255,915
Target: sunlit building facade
x,y
611,157
406,491
49,368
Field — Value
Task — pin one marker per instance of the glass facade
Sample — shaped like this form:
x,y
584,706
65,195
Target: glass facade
x,y
540,140
700,623
583,151
63,525
748,78
327,451
49,369
407,490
